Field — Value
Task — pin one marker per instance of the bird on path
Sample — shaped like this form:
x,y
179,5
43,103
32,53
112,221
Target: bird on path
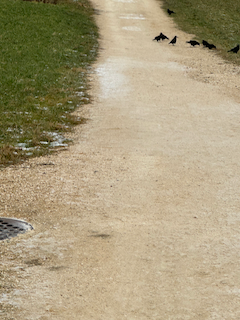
x,y
208,45
205,43
160,37
163,37
173,41
235,49
193,43
211,46
170,11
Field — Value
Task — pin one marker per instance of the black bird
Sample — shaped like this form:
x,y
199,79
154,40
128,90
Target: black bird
x,y
193,43
173,41
160,37
163,37
235,49
170,11
205,43
211,46
208,45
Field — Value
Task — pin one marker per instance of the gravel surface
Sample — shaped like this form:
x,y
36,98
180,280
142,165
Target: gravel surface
x,y
139,219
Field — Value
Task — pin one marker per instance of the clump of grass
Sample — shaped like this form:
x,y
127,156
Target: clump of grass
x,y
46,53
215,21
9,155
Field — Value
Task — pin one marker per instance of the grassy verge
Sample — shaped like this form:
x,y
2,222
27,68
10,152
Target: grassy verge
x,y
216,21
45,54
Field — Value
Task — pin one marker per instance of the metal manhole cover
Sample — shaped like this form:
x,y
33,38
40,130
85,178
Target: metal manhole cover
x,y
10,228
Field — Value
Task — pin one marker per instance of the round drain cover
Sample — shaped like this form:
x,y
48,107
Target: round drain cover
x,y
10,228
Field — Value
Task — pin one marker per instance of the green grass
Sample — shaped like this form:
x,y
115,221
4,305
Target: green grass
x,y
46,51
216,21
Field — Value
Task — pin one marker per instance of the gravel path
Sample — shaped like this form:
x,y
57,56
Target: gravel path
x,y
139,219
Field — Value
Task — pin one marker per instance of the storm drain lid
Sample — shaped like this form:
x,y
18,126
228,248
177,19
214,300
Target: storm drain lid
x,y
10,228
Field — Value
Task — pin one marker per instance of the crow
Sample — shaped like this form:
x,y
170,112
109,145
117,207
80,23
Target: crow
x,y
193,43
211,46
235,49
160,37
163,37
205,43
170,11
173,41
208,45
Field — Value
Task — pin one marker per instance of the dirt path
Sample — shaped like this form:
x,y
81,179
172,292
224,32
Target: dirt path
x,y
139,219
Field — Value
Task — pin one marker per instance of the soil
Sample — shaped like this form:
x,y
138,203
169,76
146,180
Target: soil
x,y
139,218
